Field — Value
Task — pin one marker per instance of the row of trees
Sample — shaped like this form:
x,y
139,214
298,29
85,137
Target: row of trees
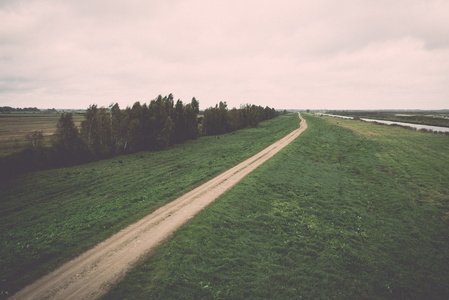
x,y
105,132
150,127
9,109
110,131
219,120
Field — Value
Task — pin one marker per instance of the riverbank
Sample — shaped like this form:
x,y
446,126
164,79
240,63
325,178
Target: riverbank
x,y
387,122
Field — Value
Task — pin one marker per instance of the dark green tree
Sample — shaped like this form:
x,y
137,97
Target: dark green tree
x,y
195,106
66,137
190,115
179,130
96,131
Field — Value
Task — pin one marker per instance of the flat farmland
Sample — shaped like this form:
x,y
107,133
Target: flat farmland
x,y
15,127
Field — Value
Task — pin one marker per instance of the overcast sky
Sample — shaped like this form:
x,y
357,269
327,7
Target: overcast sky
x,y
345,54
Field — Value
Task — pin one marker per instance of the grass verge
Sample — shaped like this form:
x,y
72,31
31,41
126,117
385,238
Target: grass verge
x,y
342,213
50,216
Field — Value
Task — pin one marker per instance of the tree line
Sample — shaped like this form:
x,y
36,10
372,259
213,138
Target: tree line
x,y
219,120
9,109
105,132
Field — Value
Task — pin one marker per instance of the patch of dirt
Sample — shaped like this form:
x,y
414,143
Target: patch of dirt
x,y
90,275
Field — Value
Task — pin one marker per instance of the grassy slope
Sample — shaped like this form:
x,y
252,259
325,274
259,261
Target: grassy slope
x,y
47,217
337,214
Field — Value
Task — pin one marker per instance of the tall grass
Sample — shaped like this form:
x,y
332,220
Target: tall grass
x,y
48,217
346,213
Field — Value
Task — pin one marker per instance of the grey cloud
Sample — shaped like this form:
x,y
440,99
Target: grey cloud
x,y
272,53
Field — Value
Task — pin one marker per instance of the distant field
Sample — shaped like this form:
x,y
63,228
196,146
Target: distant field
x,y
49,216
15,127
349,210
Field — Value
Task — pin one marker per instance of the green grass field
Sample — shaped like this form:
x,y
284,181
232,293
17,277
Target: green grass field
x,y
50,216
349,210
14,128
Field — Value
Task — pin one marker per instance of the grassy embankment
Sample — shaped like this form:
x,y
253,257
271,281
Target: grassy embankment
x,y
47,217
349,210
14,128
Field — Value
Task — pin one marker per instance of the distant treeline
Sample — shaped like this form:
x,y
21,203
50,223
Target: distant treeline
x,y
106,132
9,109
6,109
219,120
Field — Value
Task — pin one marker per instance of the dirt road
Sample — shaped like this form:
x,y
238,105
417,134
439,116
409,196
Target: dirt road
x,y
90,275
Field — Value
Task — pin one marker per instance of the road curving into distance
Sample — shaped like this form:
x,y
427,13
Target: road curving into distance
x,y
90,275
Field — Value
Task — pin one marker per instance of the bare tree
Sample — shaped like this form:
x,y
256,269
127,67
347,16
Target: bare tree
x,y
35,139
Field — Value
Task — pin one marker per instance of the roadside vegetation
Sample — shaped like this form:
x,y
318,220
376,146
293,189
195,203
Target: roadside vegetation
x,y
48,217
349,210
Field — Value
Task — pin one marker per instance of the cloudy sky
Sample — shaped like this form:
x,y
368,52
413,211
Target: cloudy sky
x,y
345,54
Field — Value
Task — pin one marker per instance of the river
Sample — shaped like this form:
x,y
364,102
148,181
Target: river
x,y
417,126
